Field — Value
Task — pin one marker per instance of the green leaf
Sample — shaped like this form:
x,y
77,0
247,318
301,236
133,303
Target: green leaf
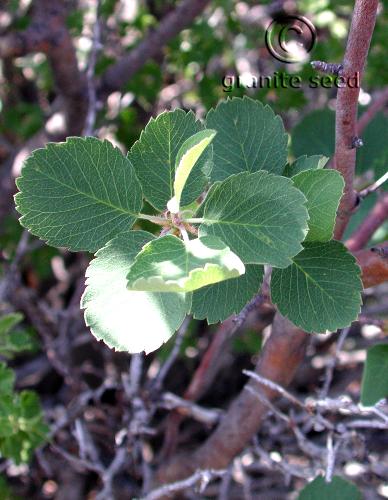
x,y
305,163
337,489
250,137
5,491
315,134
123,319
261,216
12,342
321,290
154,158
22,427
168,264
8,322
218,302
187,157
78,194
7,379
323,190
375,376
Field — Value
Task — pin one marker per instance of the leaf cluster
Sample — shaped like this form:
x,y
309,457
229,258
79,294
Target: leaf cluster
x,y
228,203
22,428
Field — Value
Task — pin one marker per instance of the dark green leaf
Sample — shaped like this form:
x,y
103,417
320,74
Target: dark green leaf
x,y
261,216
337,489
154,158
375,376
321,290
323,190
314,135
218,302
78,194
250,137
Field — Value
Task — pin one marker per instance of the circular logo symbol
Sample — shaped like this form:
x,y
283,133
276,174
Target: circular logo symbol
x,y
290,38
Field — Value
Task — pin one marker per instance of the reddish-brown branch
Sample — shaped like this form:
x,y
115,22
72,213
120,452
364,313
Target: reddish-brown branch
x,y
373,221
377,105
173,23
360,35
282,354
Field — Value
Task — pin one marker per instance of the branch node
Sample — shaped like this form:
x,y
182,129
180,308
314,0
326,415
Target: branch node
x,y
330,68
381,251
357,142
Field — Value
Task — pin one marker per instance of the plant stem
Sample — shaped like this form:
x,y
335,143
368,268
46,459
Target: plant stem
x,y
361,30
373,187
154,218
194,220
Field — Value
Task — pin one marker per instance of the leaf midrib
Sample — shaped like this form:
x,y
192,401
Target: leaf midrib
x,y
308,276
119,209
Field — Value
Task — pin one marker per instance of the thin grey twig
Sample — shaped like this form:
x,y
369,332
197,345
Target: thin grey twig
x,y
263,399
92,95
108,475
204,415
223,491
165,368
275,387
131,382
332,364
10,275
200,477
373,187
330,458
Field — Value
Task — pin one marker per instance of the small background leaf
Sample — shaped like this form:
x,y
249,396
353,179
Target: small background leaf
x,y
314,135
375,376
337,489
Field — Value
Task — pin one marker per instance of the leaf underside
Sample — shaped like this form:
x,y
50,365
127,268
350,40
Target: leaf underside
x,y
169,264
189,154
128,320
